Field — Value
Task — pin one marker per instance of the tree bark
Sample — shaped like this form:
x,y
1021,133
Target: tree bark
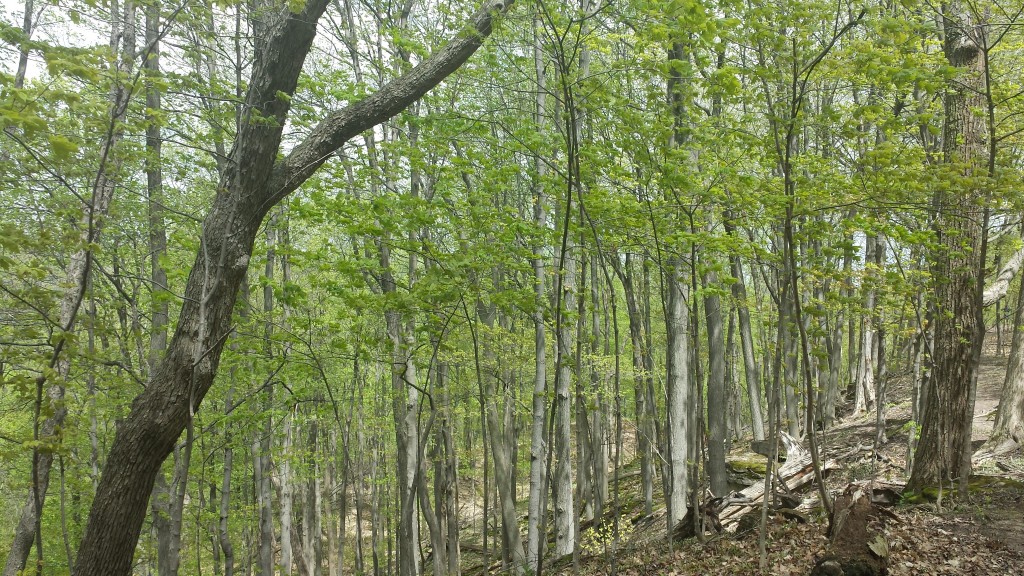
x,y
717,393
679,392
750,371
565,510
957,267
864,393
287,492
538,466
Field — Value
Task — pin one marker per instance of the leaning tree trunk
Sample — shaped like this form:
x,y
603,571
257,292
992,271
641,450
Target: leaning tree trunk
x,y
1008,432
957,267
253,182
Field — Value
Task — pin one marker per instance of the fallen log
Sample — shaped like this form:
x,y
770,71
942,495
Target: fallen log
x,y
795,473
857,546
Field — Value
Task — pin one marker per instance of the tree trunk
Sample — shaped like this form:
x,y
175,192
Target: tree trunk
x,y
285,512
791,359
262,463
598,416
750,372
642,374
864,393
1008,431
679,393
717,393
957,267
538,466
500,455
224,536
565,510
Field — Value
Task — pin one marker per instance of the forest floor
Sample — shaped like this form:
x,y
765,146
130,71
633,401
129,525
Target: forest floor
x,y
980,533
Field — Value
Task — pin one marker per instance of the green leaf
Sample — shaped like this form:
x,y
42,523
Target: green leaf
x,y
62,147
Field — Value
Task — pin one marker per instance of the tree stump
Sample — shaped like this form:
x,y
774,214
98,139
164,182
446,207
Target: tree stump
x,y
858,545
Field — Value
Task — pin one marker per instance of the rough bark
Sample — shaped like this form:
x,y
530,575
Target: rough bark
x,y
251,184
857,538
957,266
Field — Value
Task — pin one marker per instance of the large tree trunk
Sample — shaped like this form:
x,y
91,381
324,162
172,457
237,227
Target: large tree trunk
x,y
252,183
957,267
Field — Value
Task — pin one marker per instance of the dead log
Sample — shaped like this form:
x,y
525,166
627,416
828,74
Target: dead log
x,y
794,474
857,539
711,512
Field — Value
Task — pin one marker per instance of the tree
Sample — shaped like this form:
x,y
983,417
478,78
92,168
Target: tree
x,y
78,275
943,453
253,182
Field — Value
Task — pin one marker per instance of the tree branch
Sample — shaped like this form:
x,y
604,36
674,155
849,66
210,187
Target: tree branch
x,y
1001,285
342,125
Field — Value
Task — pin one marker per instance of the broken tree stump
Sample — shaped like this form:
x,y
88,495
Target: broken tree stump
x,y
856,530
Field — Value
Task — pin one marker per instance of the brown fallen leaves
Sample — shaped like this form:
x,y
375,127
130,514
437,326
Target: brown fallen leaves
x,y
920,543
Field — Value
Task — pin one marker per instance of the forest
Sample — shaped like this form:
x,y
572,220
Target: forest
x,y
409,287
